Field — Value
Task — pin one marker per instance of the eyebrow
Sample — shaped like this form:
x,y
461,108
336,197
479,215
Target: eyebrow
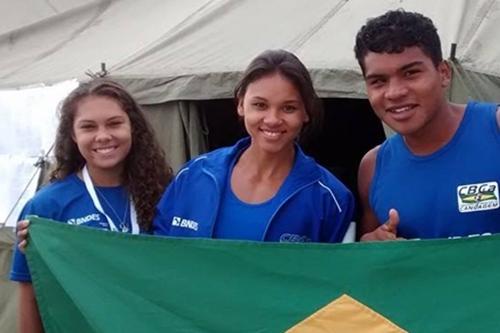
x,y
84,121
258,97
411,64
292,101
118,117
402,68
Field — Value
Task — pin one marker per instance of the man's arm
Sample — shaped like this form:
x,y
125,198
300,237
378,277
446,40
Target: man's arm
x,y
370,228
366,170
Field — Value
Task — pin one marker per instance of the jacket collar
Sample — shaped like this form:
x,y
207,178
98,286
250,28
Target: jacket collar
x,y
304,171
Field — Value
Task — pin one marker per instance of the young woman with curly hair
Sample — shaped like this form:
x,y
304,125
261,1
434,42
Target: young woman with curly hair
x,y
110,172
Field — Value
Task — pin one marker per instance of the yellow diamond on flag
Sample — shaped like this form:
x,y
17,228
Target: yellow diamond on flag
x,y
345,314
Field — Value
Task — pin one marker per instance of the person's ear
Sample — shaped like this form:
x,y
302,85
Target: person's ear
x,y
240,107
306,117
73,136
445,72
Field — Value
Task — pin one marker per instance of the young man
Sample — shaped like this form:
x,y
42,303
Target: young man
x,y
439,175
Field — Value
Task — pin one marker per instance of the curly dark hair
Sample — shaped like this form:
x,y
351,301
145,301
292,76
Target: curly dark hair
x,y
288,65
395,31
146,171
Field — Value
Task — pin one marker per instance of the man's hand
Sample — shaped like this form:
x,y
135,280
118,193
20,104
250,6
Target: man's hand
x,y
387,231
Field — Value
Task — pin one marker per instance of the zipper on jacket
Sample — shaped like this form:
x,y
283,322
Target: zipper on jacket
x,y
281,205
216,213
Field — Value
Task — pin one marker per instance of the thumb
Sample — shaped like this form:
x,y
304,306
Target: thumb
x,y
393,222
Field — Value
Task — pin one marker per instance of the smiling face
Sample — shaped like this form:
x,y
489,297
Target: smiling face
x,y
273,113
102,132
406,90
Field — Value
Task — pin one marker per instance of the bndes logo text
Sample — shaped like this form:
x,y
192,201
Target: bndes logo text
x,y
184,223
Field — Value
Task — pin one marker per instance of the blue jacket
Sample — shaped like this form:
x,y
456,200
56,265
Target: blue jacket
x,y
317,206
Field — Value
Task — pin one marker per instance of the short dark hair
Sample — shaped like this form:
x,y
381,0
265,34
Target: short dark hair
x,y
396,30
290,66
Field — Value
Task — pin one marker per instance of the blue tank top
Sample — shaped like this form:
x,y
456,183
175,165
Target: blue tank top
x,y
452,192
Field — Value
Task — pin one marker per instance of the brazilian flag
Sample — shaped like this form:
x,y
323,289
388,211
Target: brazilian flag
x,y
89,280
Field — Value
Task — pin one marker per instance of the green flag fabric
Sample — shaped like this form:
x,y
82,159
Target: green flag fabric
x,y
89,280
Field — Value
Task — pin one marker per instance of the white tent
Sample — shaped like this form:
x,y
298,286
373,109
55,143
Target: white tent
x,y
173,51
177,51
169,50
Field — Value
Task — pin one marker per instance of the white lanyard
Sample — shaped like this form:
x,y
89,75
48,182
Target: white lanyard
x,y
93,195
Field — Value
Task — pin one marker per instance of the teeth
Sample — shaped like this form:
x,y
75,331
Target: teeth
x,y
105,150
271,134
401,109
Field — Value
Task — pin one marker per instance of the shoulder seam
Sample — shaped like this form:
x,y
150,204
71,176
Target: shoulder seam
x,y
331,194
181,171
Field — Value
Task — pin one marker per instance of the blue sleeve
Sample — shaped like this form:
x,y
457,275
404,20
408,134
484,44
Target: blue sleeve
x,y
169,200
344,218
339,211
164,209
19,271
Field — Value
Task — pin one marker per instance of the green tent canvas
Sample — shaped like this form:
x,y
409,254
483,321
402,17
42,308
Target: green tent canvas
x,y
89,280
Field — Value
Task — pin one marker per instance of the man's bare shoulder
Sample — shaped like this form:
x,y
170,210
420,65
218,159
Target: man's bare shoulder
x,y
371,156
